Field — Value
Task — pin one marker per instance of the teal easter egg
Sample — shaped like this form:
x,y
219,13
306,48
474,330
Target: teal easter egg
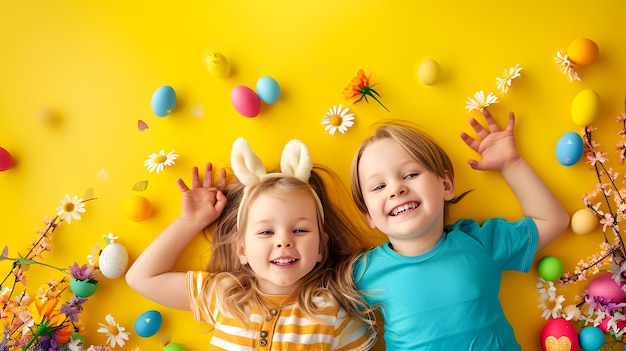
x,y
550,268
569,149
148,323
268,90
591,338
163,101
174,347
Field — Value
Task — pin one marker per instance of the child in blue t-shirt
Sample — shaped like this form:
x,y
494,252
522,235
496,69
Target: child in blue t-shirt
x,y
437,286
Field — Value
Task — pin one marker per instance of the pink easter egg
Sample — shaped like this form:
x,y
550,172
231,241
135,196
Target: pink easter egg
x,y
6,160
605,288
559,335
245,101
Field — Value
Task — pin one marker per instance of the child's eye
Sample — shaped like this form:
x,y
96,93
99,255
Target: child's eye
x,y
411,175
378,187
265,233
300,231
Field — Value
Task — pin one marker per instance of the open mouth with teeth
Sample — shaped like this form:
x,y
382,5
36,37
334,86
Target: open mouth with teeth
x,y
284,261
404,208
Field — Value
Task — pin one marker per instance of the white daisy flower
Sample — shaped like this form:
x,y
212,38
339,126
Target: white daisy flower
x,y
479,102
159,161
114,332
70,208
504,83
338,119
571,313
564,65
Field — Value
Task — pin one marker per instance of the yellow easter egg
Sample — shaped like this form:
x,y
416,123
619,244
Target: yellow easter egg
x,y
429,72
583,51
137,208
583,221
585,107
217,64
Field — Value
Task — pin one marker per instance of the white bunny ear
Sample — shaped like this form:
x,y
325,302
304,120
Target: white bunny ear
x,y
296,160
246,165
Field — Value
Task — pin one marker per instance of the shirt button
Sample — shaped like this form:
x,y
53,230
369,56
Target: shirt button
x,y
263,342
264,334
273,311
268,318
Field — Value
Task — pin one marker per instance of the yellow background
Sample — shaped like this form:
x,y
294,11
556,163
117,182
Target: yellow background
x,y
95,65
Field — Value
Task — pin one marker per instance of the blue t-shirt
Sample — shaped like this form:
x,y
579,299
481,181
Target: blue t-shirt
x,y
447,298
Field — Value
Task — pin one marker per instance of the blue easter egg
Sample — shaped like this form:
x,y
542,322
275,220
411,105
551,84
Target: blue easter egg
x,y
268,90
163,101
569,149
148,323
591,338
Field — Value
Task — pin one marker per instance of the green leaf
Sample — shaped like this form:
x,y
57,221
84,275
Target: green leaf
x,y
140,185
5,253
88,194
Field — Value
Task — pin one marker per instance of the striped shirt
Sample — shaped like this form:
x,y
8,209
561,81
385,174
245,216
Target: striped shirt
x,y
285,328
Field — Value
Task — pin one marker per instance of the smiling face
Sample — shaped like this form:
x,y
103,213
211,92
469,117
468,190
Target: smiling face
x,y
404,199
281,241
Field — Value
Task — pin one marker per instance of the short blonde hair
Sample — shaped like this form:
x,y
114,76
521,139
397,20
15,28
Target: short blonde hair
x,y
417,143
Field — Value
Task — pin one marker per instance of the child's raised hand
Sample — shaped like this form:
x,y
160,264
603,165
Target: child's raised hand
x,y
495,146
204,202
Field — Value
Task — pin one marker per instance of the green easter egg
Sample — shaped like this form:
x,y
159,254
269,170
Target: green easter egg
x,y
550,268
174,347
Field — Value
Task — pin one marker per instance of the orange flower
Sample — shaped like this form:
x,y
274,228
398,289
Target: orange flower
x,y
360,86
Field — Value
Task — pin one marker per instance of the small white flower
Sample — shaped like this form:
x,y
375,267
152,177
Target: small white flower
x,y
564,65
70,208
94,256
114,332
110,238
479,102
571,313
159,161
338,119
75,345
504,83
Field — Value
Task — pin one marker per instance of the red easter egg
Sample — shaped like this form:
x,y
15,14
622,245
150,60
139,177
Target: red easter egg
x,y
6,160
604,325
604,287
559,335
245,101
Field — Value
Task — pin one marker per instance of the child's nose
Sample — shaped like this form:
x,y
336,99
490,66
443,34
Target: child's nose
x,y
284,241
398,189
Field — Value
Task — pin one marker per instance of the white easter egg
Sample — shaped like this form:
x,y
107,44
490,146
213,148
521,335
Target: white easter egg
x,y
113,261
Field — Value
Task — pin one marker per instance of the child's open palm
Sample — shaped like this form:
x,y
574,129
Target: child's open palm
x,y
495,146
204,201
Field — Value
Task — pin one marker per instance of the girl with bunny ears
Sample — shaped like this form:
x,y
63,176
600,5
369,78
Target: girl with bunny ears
x,y
279,277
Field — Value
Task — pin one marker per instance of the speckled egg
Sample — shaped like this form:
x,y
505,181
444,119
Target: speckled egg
x,y
113,261
217,64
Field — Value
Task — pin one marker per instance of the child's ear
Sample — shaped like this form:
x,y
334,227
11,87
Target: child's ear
x,y
369,220
241,252
448,187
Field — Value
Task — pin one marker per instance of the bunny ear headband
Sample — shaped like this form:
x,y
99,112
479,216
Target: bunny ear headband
x,y
248,168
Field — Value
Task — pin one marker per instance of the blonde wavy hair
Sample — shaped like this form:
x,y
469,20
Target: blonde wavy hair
x,y
237,285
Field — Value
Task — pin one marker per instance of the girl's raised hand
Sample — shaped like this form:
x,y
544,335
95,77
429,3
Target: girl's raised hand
x,y
495,146
204,201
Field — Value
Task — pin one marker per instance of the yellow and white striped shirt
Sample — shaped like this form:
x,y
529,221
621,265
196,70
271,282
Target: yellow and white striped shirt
x,y
285,328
